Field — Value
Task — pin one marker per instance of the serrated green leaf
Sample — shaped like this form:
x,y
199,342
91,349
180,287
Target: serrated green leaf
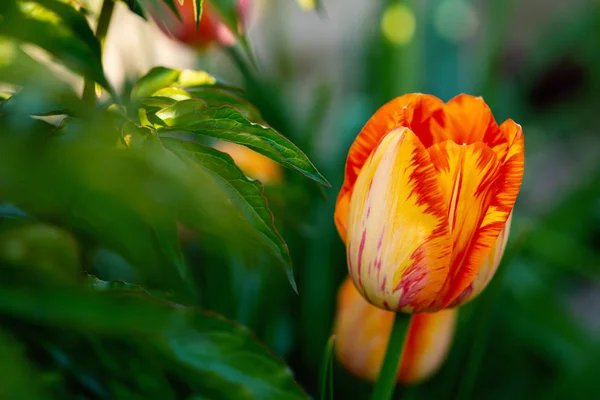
x,y
245,194
227,123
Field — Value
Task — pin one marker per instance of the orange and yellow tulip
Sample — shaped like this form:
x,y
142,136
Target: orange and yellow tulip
x,y
363,331
426,202
253,164
211,28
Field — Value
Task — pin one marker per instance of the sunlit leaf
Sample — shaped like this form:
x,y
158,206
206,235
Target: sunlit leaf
x,y
157,78
197,11
227,123
310,5
61,31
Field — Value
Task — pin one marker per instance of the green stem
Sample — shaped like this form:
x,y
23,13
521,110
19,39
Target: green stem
x,y
384,388
106,12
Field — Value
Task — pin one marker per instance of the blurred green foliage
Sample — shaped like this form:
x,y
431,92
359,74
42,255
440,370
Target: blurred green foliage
x,y
138,261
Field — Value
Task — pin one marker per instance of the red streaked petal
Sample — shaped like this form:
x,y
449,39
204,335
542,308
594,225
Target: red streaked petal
x,y
468,119
398,243
411,111
468,175
503,200
487,270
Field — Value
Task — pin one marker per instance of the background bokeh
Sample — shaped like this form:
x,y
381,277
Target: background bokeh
x,y
535,331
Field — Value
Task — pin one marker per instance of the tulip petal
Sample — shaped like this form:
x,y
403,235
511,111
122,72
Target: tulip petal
x,y
468,176
487,270
427,345
468,119
503,200
363,331
411,111
398,243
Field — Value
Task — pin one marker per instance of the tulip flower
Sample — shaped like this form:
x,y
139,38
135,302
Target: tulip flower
x,y
363,331
253,164
211,28
426,202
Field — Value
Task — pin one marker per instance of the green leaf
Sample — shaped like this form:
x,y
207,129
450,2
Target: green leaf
x,y
310,5
198,11
124,208
19,379
245,194
222,360
136,6
100,285
156,79
75,20
217,97
84,310
227,123
41,93
208,354
61,31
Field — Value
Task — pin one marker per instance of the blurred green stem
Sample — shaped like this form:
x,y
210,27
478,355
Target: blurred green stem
x,y
327,369
108,6
384,388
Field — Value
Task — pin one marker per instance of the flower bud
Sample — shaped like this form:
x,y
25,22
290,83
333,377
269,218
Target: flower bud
x,y
363,331
211,28
426,202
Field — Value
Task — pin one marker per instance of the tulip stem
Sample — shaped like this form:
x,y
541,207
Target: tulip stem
x,y
384,388
108,6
